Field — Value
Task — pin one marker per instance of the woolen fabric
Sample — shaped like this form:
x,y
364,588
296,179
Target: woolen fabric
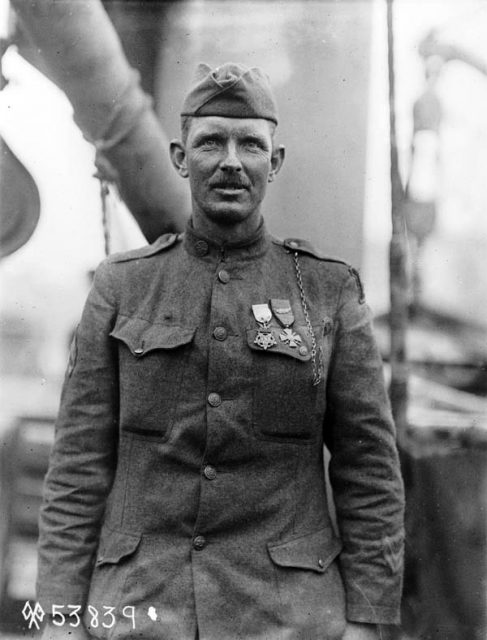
x,y
187,473
231,91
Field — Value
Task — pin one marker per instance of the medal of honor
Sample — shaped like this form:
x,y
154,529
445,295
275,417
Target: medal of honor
x,y
283,312
263,315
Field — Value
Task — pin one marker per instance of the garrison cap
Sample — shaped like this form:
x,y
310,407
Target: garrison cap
x,y
232,91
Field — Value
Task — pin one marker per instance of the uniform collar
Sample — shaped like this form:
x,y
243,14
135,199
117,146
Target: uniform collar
x,y
201,246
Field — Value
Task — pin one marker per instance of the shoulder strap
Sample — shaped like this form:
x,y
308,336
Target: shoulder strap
x,y
303,246
162,243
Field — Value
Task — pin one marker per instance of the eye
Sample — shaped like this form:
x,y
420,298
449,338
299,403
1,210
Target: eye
x,y
253,144
209,143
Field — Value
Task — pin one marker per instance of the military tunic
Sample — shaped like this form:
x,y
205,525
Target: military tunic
x,y
187,473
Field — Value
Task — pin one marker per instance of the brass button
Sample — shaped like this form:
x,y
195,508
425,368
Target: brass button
x,y
220,333
303,351
223,276
214,400
210,472
201,248
139,351
199,543
293,244
321,563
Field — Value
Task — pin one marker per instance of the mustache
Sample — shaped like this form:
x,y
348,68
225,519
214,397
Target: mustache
x,y
235,182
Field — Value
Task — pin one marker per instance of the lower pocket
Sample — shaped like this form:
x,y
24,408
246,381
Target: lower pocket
x,y
310,587
113,563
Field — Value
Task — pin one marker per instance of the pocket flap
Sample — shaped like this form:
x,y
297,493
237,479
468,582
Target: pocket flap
x,y
294,342
313,551
142,336
115,545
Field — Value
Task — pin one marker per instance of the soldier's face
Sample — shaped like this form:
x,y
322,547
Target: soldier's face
x,y
229,162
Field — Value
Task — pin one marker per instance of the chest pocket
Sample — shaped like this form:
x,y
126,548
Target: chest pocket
x,y
152,360
286,405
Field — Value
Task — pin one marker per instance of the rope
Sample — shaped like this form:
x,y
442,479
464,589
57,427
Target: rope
x,y
105,213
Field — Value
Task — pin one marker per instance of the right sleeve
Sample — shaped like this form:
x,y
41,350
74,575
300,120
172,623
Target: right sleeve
x,y
83,458
364,467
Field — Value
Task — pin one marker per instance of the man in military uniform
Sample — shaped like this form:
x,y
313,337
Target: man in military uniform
x,y
186,492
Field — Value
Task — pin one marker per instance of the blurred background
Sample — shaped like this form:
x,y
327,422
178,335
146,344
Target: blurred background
x,y
70,108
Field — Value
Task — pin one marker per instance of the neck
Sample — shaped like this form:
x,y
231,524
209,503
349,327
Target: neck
x,y
226,233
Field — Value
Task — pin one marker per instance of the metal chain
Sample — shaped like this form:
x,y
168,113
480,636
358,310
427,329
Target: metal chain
x,y
317,367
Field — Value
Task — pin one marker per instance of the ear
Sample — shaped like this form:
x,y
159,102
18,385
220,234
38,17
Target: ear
x,y
277,158
177,151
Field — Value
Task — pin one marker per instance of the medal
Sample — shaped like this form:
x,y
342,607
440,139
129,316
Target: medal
x,y
283,312
263,315
289,337
265,339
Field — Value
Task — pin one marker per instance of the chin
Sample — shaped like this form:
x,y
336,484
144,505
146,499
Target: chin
x,y
227,216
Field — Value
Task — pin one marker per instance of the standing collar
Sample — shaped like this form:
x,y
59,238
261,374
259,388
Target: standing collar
x,y
201,246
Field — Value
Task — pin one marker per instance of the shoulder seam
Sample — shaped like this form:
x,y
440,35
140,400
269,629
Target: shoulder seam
x,y
162,243
358,281
303,246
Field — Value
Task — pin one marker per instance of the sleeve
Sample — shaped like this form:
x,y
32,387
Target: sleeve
x,y
364,466
83,458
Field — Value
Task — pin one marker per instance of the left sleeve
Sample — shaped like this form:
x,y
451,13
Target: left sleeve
x,y
83,458
364,466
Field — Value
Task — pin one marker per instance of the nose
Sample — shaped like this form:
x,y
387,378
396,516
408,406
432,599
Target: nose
x,y
231,160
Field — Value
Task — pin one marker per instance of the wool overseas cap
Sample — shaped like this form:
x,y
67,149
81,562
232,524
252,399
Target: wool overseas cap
x,y
232,91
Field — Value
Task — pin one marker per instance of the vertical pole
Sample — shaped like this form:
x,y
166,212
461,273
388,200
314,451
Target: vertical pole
x,y
397,262
4,37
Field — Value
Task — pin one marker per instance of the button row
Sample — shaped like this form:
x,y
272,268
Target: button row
x,y
199,542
